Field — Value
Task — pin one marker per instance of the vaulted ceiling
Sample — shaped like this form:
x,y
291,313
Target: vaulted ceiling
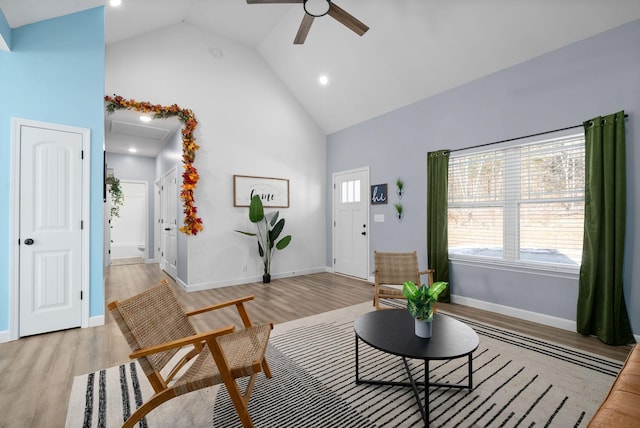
x,y
414,48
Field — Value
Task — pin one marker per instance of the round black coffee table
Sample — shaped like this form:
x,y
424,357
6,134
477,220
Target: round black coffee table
x,y
392,331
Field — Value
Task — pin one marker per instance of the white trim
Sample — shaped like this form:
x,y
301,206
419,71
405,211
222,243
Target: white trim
x,y
549,320
4,336
544,269
246,280
96,321
14,233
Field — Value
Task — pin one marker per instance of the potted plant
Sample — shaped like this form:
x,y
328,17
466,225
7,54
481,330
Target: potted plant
x,y
117,197
420,301
269,229
400,188
399,211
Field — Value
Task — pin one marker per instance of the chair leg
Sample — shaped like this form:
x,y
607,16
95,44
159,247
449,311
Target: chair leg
x,y
153,402
238,402
266,369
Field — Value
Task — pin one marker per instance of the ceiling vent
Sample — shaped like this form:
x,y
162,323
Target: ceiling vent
x,y
140,131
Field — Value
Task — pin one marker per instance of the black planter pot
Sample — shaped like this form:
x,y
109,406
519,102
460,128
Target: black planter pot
x,y
266,278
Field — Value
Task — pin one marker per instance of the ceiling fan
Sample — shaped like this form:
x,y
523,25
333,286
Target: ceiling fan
x,y
316,9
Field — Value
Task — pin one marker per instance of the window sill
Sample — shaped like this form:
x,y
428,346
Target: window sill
x,y
532,268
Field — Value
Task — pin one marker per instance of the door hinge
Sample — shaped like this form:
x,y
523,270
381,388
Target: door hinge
x,y
334,223
81,154
81,224
81,295
334,261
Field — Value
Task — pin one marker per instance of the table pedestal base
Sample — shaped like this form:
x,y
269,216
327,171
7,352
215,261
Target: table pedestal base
x,y
424,408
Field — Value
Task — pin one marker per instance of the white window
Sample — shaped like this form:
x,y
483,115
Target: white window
x,y
521,204
350,192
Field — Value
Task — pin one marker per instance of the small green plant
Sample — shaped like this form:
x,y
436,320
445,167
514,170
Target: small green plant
x,y
268,231
420,299
117,197
400,184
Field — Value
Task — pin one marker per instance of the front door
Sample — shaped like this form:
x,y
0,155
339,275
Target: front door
x,y
169,224
50,229
351,223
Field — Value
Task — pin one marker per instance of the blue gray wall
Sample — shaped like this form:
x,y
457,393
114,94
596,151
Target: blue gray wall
x,y
55,73
596,76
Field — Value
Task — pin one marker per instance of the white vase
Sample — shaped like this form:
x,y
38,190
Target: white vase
x,y
423,328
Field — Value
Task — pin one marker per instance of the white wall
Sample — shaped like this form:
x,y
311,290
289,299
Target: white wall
x,y
250,124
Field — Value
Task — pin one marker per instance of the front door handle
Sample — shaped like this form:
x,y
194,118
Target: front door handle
x,y
167,228
28,241
364,233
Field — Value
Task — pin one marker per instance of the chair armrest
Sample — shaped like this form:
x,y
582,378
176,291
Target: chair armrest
x,y
179,343
220,305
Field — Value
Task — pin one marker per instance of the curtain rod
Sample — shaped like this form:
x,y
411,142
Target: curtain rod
x,y
521,138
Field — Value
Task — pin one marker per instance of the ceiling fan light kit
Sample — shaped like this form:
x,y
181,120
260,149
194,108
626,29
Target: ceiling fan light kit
x,y
316,9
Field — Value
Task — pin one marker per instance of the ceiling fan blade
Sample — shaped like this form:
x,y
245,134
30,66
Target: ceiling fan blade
x,y
305,25
346,19
274,1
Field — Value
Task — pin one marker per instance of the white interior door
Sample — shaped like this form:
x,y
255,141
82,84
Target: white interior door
x,y
351,223
50,230
169,224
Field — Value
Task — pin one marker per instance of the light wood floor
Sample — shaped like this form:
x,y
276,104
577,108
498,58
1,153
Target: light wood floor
x,y
36,373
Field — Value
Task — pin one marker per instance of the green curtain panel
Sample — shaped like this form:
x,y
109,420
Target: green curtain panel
x,y
437,206
601,307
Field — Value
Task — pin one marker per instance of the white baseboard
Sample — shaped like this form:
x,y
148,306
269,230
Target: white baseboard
x,y
549,320
516,313
246,280
4,336
96,321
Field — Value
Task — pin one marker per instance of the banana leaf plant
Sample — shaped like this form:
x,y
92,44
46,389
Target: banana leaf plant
x,y
420,299
269,227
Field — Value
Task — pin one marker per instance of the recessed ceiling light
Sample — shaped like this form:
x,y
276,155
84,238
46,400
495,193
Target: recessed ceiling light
x,y
115,3
145,118
133,150
324,80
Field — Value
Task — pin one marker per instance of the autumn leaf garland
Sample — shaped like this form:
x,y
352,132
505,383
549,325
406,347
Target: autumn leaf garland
x,y
192,223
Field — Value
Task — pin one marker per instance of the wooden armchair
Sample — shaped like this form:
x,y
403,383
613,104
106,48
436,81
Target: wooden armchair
x,y
156,327
394,269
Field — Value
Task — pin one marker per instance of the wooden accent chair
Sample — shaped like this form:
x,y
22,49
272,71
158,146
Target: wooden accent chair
x,y
394,269
156,327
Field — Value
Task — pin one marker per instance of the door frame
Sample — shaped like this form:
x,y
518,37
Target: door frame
x,y
14,252
366,170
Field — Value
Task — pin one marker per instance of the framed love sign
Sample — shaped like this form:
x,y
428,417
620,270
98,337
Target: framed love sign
x,y
274,192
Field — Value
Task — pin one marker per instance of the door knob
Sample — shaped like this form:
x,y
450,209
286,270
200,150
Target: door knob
x,y
28,241
167,228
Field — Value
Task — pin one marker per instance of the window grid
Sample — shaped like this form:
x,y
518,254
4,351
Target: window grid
x,y
523,203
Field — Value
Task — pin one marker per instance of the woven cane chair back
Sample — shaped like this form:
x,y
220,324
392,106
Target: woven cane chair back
x,y
150,318
394,269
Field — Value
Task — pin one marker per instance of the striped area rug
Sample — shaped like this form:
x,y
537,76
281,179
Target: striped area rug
x,y
519,381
